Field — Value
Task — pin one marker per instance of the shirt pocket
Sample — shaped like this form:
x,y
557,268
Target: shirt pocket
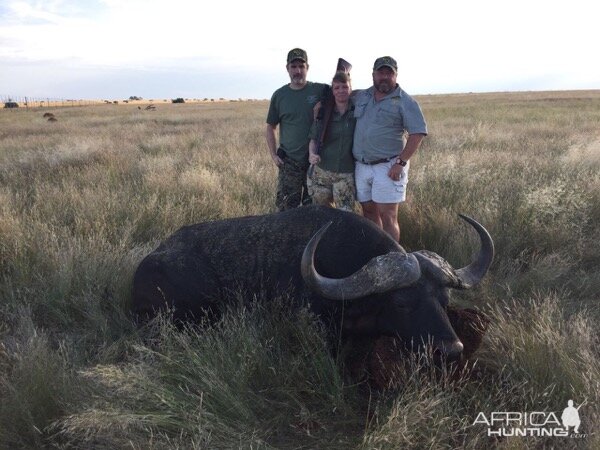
x,y
388,115
359,110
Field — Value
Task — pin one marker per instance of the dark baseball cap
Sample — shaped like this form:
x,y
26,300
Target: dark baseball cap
x,y
297,53
386,61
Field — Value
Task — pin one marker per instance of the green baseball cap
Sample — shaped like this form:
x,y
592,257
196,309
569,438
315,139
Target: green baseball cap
x,y
386,61
297,53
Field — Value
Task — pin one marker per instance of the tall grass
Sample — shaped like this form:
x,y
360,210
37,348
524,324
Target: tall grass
x,y
82,200
261,377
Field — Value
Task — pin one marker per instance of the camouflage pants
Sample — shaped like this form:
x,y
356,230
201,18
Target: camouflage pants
x,y
329,188
291,185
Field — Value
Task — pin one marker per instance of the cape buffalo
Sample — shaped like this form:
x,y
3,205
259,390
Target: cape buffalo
x,y
351,273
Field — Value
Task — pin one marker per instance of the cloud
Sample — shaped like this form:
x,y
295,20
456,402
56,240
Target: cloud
x,y
440,46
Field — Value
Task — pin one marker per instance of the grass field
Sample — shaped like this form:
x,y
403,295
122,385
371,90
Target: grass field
x,y
83,199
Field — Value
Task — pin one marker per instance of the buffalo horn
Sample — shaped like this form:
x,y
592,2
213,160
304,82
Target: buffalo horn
x,y
381,274
472,274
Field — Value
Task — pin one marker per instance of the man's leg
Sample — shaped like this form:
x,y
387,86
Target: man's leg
x,y
387,194
283,194
289,186
363,177
388,213
371,212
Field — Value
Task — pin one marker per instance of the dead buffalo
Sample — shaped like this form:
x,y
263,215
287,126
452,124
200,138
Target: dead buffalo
x,y
352,274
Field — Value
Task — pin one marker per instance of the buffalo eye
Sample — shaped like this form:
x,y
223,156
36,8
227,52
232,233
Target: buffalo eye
x,y
405,303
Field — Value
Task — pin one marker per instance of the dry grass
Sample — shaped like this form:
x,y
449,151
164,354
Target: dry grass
x,y
83,199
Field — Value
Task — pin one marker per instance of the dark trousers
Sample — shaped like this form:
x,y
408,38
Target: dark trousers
x,y
291,185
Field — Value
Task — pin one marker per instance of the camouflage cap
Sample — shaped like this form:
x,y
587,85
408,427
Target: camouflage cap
x,y
386,61
297,53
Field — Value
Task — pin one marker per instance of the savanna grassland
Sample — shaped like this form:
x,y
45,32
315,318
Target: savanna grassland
x,y
83,199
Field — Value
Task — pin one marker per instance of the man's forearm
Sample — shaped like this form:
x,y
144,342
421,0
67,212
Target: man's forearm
x,y
271,140
272,144
412,145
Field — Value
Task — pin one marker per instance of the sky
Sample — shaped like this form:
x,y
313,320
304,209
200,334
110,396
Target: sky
x,y
113,49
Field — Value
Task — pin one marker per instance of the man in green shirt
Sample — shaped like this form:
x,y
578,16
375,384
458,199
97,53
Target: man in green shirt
x,y
291,109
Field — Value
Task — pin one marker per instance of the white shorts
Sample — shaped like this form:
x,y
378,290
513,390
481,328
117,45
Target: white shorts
x,y
374,184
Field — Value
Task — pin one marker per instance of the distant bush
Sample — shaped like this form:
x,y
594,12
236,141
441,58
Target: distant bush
x,y
11,104
178,100
135,97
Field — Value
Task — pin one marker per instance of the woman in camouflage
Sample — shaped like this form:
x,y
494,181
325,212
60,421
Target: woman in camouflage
x,y
332,182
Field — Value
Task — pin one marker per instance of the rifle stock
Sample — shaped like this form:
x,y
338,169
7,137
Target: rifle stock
x,y
343,66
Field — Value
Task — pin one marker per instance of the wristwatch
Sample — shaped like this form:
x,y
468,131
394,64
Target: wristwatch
x,y
400,161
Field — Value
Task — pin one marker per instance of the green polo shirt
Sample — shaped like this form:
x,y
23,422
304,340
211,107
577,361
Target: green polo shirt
x,y
336,151
292,111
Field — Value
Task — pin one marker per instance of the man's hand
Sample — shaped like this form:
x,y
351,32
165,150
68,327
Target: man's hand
x,y
314,159
395,172
277,160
